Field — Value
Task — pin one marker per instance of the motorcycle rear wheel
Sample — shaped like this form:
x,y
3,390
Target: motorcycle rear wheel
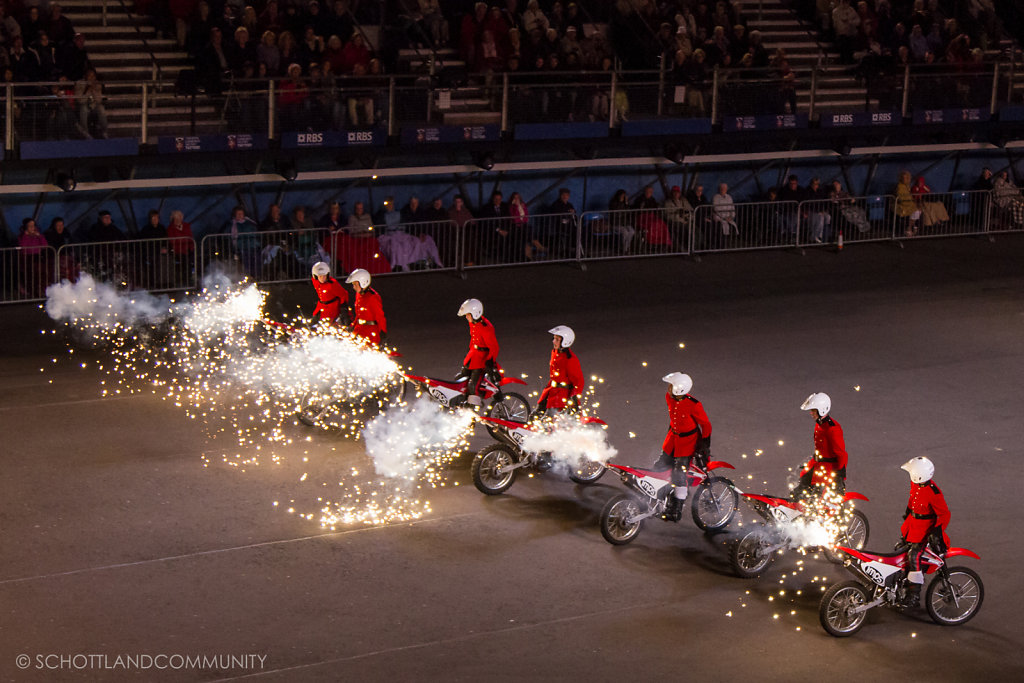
x,y
614,525
955,602
586,471
854,536
714,504
833,612
749,555
485,468
311,406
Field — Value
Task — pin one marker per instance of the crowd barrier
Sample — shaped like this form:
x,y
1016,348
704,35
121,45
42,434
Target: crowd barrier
x,y
287,255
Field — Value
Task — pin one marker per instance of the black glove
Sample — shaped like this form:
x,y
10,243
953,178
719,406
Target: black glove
x,y
464,372
572,403
383,339
704,447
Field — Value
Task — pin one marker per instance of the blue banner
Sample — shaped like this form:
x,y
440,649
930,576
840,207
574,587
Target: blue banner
x,y
970,115
666,127
731,122
860,118
1015,113
451,134
333,138
172,144
74,149
561,131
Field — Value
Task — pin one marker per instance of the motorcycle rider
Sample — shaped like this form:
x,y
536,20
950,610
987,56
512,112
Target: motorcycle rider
x,y
924,523
689,434
827,467
332,299
483,349
369,321
565,385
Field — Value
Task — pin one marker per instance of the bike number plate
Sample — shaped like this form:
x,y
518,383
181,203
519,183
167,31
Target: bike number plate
x,y
439,395
647,487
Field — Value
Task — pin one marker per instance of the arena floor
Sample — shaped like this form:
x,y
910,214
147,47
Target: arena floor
x,y
117,540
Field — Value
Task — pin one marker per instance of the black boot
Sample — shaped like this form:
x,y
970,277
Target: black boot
x,y
911,596
673,509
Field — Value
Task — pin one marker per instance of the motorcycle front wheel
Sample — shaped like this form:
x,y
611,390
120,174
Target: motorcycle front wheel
x,y
311,405
512,407
616,526
854,536
834,611
586,471
487,467
750,555
954,600
714,504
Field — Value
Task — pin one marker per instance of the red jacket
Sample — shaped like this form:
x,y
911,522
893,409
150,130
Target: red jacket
x,y
368,316
483,344
566,379
829,453
688,424
331,296
926,509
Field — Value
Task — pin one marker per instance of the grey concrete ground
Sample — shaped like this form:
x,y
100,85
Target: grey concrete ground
x,y
116,539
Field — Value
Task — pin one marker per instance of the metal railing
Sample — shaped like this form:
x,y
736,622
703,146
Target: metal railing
x,y
278,256
52,111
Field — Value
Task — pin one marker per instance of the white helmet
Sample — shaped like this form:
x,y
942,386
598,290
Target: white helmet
x,y
566,333
681,384
321,268
359,275
820,402
920,468
473,307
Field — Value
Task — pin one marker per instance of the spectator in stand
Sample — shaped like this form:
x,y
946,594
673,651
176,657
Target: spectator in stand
x,y
649,221
274,220
1007,197
9,27
199,29
403,249
249,21
440,229
158,262
817,213
933,214
212,62
495,229
359,100
985,181
334,54
522,232
57,234
58,26
724,213
31,258
180,238
182,12
787,86
678,214
845,23
848,209
245,241
311,49
73,59
563,235
46,53
24,63
433,22
91,112
906,207
268,53
31,24
533,18
573,19
242,52
556,18
462,217
513,17
917,43
293,99
355,52
302,240
104,230
333,220
413,211
359,222
620,219
791,192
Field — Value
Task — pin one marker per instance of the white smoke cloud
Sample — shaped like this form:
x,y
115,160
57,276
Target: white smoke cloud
x,y
221,308
569,441
406,441
101,307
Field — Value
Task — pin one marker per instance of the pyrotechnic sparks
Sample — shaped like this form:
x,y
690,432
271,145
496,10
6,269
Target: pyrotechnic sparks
x,y
570,442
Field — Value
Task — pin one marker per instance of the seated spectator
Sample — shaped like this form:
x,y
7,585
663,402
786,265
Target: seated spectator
x,y
267,53
9,27
906,206
334,54
289,49
73,58
533,18
89,97
359,99
356,246
817,212
848,208
359,222
650,222
104,230
157,267
932,213
724,212
46,54
57,234
466,227
245,241
562,232
355,52
303,240
1007,197
402,248
333,219
311,48
678,214
274,220
183,247
31,24
845,22
522,233
433,22
442,231
620,219
213,62
32,260
495,227
293,99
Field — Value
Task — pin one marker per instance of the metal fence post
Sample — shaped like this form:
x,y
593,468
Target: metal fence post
x,y
392,128
9,113
504,102
995,89
145,113
271,111
578,220
661,85
814,90
714,96
906,91
611,102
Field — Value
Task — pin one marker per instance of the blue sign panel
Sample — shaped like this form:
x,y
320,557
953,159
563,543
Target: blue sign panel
x,y
333,138
451,134
561,131
967,115
666,127
1011,114
172,144
74,149
731,122
859,118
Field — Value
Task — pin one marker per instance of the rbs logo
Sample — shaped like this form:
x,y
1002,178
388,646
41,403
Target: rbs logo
x,y
311,138
361,136
842,118
882,117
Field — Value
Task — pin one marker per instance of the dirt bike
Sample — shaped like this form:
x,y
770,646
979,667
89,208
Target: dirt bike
x,y
952,598
782,528
714,503
495,467
503,405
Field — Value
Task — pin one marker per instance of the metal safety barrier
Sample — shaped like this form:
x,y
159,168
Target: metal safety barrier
x,y
514,240
153,264
26,272
943,214
746,225
634,232
269,255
